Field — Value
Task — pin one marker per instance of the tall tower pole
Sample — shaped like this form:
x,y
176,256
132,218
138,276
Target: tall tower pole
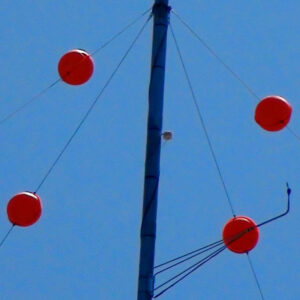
x,y
161,12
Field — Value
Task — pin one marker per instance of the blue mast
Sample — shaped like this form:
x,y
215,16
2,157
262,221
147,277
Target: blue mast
x,y
160,12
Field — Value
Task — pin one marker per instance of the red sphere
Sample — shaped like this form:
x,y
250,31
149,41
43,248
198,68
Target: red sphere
x,y
76,67
273,113
240,234
24,209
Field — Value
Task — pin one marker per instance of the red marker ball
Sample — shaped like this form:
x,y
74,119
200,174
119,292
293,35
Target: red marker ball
x,y
273,113
240,234
24,209
76,67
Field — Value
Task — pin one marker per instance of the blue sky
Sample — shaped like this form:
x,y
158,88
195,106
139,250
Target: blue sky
x,y
86,244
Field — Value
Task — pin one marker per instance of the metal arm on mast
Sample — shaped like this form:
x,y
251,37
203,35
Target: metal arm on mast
x,y
288,191
160,12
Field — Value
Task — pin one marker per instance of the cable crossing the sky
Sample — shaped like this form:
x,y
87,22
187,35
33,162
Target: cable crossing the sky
x,y
32,99
92,105
32,199
231,238
196,253
185,273
225,65
121,31
202,121
189,253
7,234
255,276
213,53
229,241
43,91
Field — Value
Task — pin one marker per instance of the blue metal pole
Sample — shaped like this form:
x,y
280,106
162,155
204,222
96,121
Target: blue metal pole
x,y
161,12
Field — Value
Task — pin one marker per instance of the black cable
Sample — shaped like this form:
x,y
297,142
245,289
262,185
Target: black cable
x,y
293,133
10,115
186,259
255,277
229,240
92,105
189,253
192,269
202,121
213,53
198,264
32,99
121,31
7,234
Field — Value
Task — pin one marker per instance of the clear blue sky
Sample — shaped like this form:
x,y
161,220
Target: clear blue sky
x,y
86,244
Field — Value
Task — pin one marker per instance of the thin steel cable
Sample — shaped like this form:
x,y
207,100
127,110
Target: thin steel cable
x,y
198,264
220,60
21,107
231,239
104,45
192,269
189,253
255,277
293,133
189,268
92,105
186,259
202,121
121,32
7,234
